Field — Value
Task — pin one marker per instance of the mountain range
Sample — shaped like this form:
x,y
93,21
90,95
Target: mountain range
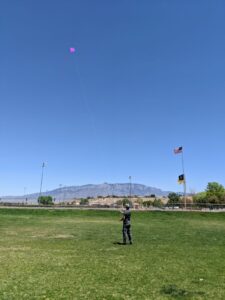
x,y
91,190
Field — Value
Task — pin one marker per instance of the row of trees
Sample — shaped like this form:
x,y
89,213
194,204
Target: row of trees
x,y
213,194
156,202
117,196
48,200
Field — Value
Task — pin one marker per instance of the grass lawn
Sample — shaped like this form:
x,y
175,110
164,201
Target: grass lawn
x,y
70,254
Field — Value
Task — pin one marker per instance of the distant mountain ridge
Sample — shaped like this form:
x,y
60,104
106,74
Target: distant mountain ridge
x,y
93,190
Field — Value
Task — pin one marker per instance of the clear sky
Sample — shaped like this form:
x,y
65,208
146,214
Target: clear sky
x,y
147,76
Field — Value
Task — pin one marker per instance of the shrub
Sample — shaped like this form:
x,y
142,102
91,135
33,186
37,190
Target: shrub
x,y
147,203
200,198
139,201
124,201
174,198
45,200
84,201
157,203
213,199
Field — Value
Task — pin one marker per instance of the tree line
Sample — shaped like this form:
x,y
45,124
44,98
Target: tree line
x,y
213,194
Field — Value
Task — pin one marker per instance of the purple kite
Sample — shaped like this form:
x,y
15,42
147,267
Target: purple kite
x,y
72,50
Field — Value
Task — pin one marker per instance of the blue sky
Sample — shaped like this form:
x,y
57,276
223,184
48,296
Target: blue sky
x,y
147,76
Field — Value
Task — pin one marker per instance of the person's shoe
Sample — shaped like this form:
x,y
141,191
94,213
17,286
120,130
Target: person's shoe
x,y
131,243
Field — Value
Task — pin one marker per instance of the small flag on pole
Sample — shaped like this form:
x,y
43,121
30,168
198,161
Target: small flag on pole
x,y
178,150
181,179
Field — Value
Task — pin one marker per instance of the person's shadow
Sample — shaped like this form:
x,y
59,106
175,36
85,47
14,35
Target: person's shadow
x,y
119,243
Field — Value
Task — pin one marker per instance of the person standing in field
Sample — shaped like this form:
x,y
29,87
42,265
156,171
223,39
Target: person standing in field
x,y
126,225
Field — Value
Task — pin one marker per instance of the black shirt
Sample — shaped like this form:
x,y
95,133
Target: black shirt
x,y
126,217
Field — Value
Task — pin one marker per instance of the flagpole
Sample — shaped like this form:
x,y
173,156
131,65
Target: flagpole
x,y
182,159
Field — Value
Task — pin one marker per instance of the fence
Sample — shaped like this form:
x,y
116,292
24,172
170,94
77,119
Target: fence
x,y
174,206
196,206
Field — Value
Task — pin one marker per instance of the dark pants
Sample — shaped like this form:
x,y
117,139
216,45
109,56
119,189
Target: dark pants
x,y
126,232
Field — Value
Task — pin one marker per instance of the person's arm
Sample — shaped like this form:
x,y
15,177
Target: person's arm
x,y
122,212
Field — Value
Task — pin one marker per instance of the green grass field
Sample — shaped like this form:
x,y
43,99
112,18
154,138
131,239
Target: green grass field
x,y
70,254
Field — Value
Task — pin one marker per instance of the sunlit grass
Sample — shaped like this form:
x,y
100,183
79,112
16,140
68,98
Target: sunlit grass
x,y
72,255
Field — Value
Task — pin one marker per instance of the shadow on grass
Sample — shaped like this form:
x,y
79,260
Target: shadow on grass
x,y
119,243
174,292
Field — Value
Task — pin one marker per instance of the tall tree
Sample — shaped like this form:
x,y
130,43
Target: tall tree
x,y
215,190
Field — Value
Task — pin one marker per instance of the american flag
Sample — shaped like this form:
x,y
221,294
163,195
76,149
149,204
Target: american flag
x,y
178,150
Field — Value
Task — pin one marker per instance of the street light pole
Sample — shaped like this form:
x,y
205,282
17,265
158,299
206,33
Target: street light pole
x,y
42,175
24,193
60,186
64,191
130,188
